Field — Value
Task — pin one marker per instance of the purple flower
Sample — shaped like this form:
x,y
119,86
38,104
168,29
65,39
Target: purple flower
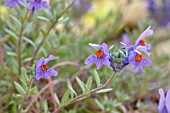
x,y
14,2
137,60
37,4
101,56
160,13
140,44
164,103
42,69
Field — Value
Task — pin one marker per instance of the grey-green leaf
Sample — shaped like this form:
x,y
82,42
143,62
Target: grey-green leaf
x,y
11,33
89,82
81,84
97,78
104,90
65,98
29,41
56,99
19,88
70,87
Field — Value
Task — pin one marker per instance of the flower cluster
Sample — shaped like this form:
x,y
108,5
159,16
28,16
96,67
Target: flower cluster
x,y
32,4
126,55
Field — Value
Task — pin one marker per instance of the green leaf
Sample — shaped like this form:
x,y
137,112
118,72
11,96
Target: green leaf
x,y
70,87
43,18
11,33
11,53
29,41
19,88
32,90
16,20
104,90
65,98
27,59
45,106
99,104
81,84
97,78
89,82
62,21
56,99
24,74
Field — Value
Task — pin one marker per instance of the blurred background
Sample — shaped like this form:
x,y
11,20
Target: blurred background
x,y
90,21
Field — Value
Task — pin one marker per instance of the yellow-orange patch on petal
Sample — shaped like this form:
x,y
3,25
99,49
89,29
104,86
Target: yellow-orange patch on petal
x,y
100,53
44,67
143,43
138,57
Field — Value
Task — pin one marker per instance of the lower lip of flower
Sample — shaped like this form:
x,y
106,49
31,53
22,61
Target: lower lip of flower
x,y
143,43
100,54
44,67
138,57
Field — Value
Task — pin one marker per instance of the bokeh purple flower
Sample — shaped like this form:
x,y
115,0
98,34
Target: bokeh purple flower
x,y
37,4
164,102
137,60
42,69
126,40
161,13
101,57
14,2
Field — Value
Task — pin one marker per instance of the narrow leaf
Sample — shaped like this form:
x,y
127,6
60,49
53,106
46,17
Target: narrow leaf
x,y
65,98
70,87
104,90
56,99
43,18
89,82
29,41
11,53
19,88
45,106
11,33
99,104
97,78
16,20
81,84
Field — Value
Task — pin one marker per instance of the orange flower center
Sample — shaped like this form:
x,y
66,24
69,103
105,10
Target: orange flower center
x,y
138,57
100,54
143,43
44,67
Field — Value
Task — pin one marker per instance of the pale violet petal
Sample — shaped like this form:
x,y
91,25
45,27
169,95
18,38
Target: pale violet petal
x,y
94,45
91,59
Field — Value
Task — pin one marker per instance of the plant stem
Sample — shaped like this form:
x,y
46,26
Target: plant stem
x,y
19,43
85,94
48,31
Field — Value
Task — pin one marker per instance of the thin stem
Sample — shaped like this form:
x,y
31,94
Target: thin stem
x,y
19,44
86,94
52,94
48,31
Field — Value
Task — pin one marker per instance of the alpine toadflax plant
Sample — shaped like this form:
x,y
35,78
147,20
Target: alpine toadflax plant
x,y
13,3
164,102
37,4
101,57
42,69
